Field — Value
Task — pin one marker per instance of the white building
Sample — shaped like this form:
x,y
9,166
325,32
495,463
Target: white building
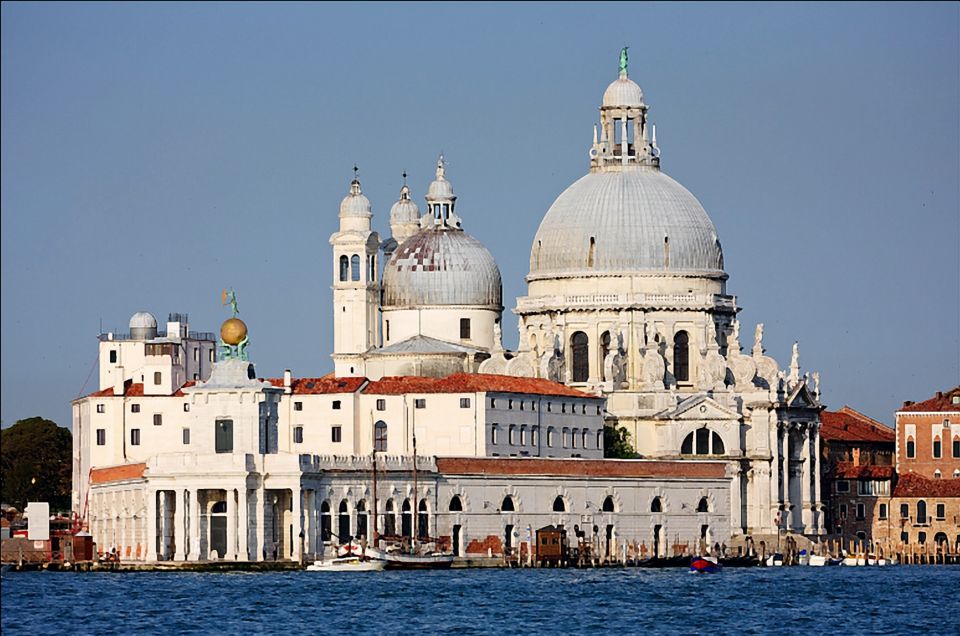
x,y
626,321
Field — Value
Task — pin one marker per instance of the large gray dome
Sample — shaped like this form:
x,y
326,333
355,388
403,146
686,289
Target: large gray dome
x,y
630,220
442,266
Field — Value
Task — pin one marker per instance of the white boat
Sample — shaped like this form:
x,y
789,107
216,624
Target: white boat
x,y
853,561
803,558
817,561
775,560
347,564
396,559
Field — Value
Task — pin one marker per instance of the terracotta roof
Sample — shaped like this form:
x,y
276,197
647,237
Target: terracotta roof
x,y
846,470
580,467
913,485
318,386
942,401
135,389
472,383
848,425
117,473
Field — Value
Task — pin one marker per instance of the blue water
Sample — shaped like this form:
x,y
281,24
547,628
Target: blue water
x,y
893,600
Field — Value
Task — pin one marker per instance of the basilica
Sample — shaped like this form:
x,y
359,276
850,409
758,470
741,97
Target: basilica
x,y
185,454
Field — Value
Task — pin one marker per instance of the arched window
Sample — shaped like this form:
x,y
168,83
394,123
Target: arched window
x,y
956,447
702,441
361,519
380,436
456,504
921,511
656,505
593,247
911,448
600,439
512,434
704,505
937,447
551,434
371,268
406,519
584,440
423,520
507,505
326,527
559,505
389,519
681,356
717,444
604,350
608,505
343,522
355,267
580,351
566,437
523,432
219,508
574,437
344,267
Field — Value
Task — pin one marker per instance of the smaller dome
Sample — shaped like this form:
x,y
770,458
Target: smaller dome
x,y
143,326
623,93
355,204
143,320
404,210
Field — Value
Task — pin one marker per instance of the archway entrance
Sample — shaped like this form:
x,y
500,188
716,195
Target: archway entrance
x,y
457,532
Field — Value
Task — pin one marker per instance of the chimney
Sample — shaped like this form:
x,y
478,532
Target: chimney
x,y
939,395
907,403
287,380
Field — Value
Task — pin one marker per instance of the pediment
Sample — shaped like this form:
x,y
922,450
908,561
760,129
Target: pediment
x,y
801,398
700,407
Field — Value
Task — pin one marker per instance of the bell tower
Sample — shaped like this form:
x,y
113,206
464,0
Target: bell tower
x,y
356,286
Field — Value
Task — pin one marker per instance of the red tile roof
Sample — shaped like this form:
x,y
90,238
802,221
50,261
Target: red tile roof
x,y
472,383
117,473
318,386
846,470
942,401
848,425
913,485
135,389
580,467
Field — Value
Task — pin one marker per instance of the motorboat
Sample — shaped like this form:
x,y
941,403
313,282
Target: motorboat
x,y
817,560
853,560
803,558
704,565
347,564
775,559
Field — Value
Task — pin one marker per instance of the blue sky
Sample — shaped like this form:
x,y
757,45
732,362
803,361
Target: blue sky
x,y
154,153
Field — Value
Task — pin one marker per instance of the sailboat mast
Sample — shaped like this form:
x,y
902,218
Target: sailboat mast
x,y
415,510
375,509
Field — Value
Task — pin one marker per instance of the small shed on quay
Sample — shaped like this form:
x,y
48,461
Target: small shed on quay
x,y
551,546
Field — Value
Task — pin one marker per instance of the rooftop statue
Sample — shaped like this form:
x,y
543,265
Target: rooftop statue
x,y
233,332
623,60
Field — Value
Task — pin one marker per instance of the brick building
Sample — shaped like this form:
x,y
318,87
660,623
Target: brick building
x,y
857,456
928,436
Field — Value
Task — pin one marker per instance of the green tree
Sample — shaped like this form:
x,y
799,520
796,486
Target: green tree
x,y
36,463
616,443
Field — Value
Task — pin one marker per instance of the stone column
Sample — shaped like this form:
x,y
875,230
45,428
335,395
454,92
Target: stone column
x,y
818,509
260,549
805,488
231,554
785,458
151,522
309,520
296,496
179,521
243,530
736,510
195,524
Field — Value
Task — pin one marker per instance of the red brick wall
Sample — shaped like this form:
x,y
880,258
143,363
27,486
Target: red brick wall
x,y
492,543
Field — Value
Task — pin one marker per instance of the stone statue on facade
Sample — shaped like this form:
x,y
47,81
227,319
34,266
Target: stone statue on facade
x,y
653,364
713,369
766,366
615,366
552,362
742,367
794,376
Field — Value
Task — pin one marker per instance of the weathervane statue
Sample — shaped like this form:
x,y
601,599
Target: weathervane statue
x,y
623,61
233,332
